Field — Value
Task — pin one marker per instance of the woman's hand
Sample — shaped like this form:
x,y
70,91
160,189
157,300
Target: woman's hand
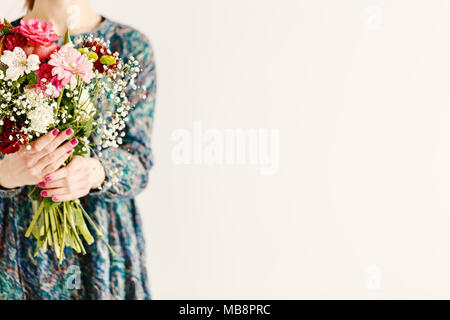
x,y
73,181
29,167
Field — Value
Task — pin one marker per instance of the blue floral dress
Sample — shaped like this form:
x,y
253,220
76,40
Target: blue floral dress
x,y
98,274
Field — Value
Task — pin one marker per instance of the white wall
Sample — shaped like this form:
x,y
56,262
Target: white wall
x,y
359,91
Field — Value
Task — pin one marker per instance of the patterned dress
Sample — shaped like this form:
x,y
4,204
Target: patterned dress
x,y
98,274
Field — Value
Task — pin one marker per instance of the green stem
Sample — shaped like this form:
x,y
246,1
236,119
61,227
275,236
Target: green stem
x,y
97,231
59,101
36,217
74,230
63,240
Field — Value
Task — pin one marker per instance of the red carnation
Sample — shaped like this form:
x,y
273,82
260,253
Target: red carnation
x,y
45,72
14,40
9,130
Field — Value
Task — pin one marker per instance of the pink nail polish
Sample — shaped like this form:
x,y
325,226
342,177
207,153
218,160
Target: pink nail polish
x,y
48,179
74,142
44,193
69,132
41,185
70,151
55,199
55,132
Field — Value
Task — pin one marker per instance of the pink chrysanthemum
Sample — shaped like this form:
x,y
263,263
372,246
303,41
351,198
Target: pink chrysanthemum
x,y
69,63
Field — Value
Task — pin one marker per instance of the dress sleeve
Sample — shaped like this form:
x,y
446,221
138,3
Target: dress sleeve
x,y
9,193
127,167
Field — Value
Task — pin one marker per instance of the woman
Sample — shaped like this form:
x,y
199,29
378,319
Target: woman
x,y
97,275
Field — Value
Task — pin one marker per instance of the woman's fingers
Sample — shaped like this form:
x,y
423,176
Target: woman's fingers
x,y
39,144
52,167
68,183
62,181
68,197
55,155
60,138
64,172
62,194
59,174
45,145
65,191
54,193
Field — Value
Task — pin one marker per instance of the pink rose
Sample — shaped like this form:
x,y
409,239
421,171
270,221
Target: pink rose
x,y
36,31
43,52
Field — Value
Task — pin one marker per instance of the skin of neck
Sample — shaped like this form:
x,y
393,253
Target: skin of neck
x,y
77,16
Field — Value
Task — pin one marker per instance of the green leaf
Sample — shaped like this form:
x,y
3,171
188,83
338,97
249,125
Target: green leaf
x,y
108,60
21,79
67,37
34,194
91,55
32,78
7,29
88,127
49,204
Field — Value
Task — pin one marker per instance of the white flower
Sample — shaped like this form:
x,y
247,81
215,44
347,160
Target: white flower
x,y
42,115
41,118
18,63
85,107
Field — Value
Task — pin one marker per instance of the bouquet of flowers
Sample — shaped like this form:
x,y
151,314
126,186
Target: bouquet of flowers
x,y
44,87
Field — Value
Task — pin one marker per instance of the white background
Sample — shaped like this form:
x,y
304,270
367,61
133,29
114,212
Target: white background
x,y
359,89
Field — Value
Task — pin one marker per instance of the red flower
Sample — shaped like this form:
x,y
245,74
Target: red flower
x,y
102,51
14,40
3,26
45,72
10,130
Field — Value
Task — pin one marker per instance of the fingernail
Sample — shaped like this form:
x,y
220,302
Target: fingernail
x,y
55,199
48,179
70,151
74,142
41,185
55,132
69,132
44,193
